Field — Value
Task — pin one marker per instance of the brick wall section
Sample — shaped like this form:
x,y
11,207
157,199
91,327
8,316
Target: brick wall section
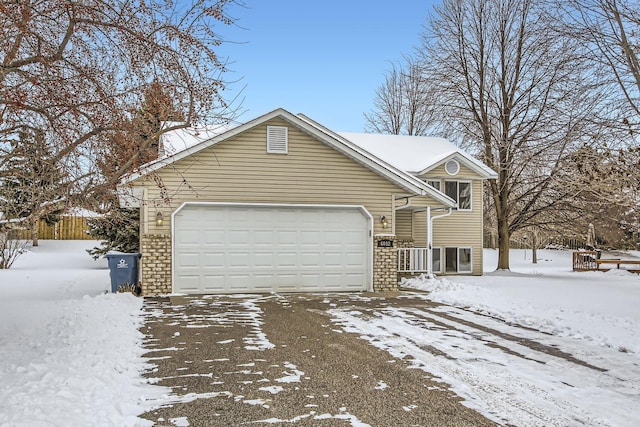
x,y
385,265
155,264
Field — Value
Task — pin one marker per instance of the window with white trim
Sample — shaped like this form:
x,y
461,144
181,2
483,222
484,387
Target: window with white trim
x,y
452,167
436,260
435,183
458,260
460,191
277,139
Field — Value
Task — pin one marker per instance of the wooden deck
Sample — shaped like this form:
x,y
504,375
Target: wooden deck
x,y
602,264
588,261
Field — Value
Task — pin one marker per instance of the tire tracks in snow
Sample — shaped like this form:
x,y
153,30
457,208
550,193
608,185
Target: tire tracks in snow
x,y
501,370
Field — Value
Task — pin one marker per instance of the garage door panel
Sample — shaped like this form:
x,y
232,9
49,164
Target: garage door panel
x,y
353,259
333,259
263,237
238,282
310,237
286,259
190,283
212,237
232,249
312,280
237,237
189,260
311,259
239,260
287,238
213,260
188,237
263,259
213,283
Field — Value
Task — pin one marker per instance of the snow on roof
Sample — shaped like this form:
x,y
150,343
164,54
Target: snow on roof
x,y
399,158
412,154
178,140
408,153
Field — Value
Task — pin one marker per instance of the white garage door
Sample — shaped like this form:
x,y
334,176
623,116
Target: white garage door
x,y
254,248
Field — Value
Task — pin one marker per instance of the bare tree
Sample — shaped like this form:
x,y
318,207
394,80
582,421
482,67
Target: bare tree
x,y
520,96
77,70
403,104
611,30
605,185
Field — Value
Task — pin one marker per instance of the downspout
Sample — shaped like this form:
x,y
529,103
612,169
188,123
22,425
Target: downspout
x,y
430,239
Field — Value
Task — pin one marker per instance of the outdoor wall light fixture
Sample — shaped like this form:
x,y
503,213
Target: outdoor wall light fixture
x,y
159,219
383,221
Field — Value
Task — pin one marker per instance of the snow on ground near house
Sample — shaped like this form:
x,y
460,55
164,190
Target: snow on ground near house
x,y
603,308
69,353
72,355
538,346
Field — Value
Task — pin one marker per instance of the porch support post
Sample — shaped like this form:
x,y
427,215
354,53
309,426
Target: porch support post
x,y
430,239
429,243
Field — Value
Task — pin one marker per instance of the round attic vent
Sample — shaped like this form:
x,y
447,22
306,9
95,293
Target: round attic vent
x,y
452,167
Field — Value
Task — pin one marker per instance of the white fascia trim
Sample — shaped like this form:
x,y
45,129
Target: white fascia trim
x,y
475,165
361,208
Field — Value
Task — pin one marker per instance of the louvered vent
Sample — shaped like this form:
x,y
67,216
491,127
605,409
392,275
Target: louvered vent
x,y
277,139
452,167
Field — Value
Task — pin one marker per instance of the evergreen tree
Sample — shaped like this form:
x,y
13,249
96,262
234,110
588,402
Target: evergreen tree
x,y
31,183
126,151
118,230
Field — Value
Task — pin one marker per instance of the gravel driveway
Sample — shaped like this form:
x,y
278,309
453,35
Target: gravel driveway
x,y
280,359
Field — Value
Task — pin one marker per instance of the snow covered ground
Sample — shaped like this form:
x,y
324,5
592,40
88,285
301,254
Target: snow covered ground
x,y
538,346
70,355
597,307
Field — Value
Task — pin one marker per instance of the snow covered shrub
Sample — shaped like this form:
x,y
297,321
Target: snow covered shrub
x,y
10,248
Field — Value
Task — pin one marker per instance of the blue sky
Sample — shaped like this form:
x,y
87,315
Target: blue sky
x,y
323,58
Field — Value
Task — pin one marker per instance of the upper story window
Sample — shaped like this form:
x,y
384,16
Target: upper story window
x,y
452,167
460,191
435,183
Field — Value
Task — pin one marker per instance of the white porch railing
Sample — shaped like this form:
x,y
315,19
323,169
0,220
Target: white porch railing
x,y
412,260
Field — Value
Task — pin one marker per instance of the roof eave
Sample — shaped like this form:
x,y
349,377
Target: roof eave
x,y
402,178
484,171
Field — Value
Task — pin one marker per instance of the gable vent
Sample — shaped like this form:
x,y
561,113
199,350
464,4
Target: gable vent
x,y
452,167
277,139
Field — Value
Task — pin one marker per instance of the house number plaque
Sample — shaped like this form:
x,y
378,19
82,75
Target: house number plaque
x,y
385,243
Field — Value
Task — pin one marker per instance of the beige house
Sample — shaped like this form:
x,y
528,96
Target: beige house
x,y
283,204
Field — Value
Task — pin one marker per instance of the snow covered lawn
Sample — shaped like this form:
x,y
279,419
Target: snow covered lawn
x,y
597,307
538,346
70,355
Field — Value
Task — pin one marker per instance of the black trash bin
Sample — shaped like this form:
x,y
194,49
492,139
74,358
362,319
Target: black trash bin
x,y
124,272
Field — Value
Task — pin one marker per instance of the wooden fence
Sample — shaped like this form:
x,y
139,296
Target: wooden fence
x,y
490,241
68,228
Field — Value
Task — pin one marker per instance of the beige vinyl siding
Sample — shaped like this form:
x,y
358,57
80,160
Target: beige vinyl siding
x,y
419,202
439,173
240,170
460,229
404,224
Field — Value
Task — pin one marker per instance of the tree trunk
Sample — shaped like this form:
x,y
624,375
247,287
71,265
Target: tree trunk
x,y
534,248
503,245
34,233
4,252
